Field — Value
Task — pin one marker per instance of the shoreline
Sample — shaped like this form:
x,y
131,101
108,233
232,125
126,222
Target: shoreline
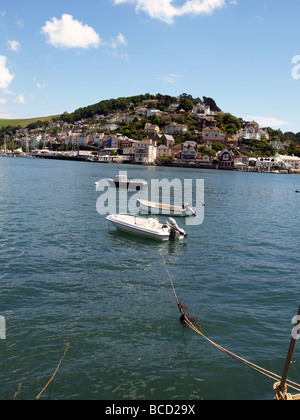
x,y
195,165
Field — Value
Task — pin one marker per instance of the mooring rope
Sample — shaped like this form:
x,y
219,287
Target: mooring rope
x,y
186,320
61,360
55,372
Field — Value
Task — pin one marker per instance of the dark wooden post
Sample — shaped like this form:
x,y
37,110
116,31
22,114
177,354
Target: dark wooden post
x,y
289,358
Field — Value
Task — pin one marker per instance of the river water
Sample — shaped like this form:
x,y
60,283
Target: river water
x,y
67,275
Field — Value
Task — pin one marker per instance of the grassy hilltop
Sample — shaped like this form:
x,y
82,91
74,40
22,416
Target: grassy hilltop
x,y
24,122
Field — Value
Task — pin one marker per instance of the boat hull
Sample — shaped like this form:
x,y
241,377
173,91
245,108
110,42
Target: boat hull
x,y
147,207
130,185
140,226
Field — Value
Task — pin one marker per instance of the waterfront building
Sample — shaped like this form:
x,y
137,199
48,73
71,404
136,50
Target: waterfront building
x,y
163,151
166,139
176,150
226,159
145,151
96,138
292,163
189,150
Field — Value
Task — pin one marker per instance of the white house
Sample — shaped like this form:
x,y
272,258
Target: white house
x,y
163,151
145,151
251,131
201,109
291,162
269,162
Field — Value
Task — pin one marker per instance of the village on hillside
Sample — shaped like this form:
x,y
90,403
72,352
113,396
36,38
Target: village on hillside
x,y
102,138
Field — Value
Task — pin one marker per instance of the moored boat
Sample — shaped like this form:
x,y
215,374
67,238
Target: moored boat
x,y
147,227
165,209
121,181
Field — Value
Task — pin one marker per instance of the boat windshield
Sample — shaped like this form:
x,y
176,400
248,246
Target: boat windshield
x,y
122,178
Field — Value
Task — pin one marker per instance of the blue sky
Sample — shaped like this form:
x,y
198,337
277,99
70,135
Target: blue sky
x,y
69,54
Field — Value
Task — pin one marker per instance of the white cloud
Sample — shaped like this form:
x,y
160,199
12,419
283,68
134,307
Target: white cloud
x,y
119,40
171,78
14,45
3,101
20,99
8,92
20,23
166,11
68,32
265,121
39,85
5,76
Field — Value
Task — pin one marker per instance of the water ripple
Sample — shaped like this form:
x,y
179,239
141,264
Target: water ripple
x,y
65,272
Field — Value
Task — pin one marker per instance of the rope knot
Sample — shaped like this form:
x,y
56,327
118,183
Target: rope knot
x,y
279,394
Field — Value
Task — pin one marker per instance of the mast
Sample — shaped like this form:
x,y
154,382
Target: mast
x,y
4,144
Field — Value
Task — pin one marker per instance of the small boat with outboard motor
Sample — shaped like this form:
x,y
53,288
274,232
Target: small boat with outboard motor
x,y
147,227
165,209
121,181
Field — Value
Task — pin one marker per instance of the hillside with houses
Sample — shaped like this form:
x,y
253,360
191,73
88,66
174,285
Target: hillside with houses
x,y
160,130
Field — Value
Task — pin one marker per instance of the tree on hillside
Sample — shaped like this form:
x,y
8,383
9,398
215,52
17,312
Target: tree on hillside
x,y
211,103
186,102
203,150
231,123
165,101
289,136
217,146
294,150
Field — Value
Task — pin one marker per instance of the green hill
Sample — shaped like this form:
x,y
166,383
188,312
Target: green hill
x,y
24,122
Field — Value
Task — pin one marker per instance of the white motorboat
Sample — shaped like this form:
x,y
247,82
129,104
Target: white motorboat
x,y
148,227
166,209
121,181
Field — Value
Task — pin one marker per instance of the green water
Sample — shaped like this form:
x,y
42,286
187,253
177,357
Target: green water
x,y
65,273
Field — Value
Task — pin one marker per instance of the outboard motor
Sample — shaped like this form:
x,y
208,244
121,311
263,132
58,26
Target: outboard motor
x,y
174,228
187,207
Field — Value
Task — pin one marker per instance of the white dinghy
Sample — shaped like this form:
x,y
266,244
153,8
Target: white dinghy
x,y
165,209
150,228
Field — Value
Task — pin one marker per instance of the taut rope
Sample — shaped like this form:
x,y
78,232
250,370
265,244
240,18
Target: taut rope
x,y
279,394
